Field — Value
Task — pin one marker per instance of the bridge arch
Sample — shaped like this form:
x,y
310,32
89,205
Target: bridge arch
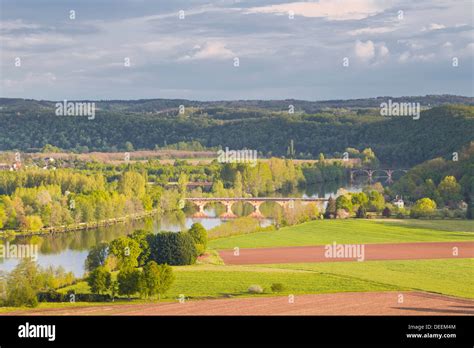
x,y
255,202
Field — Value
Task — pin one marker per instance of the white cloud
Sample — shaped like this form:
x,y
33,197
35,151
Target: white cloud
x,y
365,50
17,24
433,26
210,50
376,30
36,40
409,57
383,51
31,79
330,9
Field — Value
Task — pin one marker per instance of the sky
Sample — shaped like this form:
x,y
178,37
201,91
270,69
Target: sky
x,y
235,49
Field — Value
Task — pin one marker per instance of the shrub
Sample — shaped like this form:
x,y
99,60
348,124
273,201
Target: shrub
x,y
172,248
424,207
54,296
235,227
277,287
255,289
386,212
361,212
128,282
99,280
300,213
50,296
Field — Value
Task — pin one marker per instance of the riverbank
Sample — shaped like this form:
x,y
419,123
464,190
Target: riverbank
x,y
79,227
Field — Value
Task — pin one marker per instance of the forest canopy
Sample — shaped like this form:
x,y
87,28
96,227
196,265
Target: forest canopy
x,y
397,141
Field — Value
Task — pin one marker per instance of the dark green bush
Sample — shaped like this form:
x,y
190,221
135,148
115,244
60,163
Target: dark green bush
x,y
172,248
54,296
277,287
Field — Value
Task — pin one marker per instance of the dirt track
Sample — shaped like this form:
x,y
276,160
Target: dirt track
x,y
363,303
398,251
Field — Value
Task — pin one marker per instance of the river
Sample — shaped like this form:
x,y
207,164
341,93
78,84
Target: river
x,y
70,249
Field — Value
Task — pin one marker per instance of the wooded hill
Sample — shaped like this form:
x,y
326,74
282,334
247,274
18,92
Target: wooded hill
x,y
266,126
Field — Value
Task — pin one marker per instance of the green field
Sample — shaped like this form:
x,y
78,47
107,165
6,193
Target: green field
x,y
446,276
214,281
351,231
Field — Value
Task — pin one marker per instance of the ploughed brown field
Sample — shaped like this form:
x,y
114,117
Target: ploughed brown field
x,y
354,303
389,251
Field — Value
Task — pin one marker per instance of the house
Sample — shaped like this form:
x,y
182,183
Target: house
x,y
398,202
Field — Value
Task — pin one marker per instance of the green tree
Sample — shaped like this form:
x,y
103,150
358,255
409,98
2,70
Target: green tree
x,y
23,284
132,184
199,235
369,159
129,282
166,279
172,248
97,256
331,209
344,202
359,198
128,146
183,183
238,186
3,215
33,223
99,280
376,201
218,188
48,148
127,252
424,207
291,149
429,190
450,190
155,279
141,237
470,209
114,289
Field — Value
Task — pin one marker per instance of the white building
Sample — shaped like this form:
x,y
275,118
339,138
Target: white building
x,y
398,202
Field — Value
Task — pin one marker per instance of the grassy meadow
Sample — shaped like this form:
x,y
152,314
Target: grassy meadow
x,y
352,231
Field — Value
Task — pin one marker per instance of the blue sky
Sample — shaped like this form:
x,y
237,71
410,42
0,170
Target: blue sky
x,y
285,49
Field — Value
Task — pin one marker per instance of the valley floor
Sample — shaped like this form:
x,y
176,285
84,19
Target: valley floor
x,y
410,258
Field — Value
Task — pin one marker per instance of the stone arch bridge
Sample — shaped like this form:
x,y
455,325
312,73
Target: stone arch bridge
x,y
388,173
256,202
